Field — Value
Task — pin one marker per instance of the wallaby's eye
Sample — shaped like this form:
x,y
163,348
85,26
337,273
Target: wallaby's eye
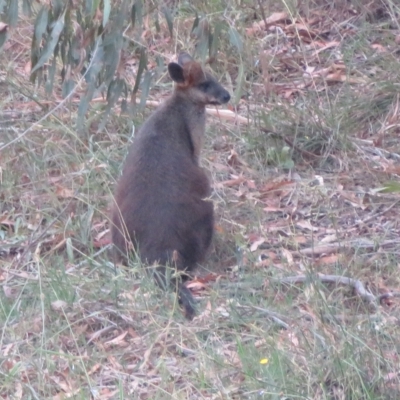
x,y
204,86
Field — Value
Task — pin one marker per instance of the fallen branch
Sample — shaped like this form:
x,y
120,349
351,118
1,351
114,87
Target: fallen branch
x,y
389,295
332,247
355,283
224,114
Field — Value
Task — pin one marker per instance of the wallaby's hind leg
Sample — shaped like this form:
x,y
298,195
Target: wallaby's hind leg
x,y
175,260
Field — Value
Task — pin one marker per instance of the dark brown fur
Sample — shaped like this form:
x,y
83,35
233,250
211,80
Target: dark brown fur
x,y
160,204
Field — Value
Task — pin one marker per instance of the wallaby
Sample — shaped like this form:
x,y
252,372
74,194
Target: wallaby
x,y
161,209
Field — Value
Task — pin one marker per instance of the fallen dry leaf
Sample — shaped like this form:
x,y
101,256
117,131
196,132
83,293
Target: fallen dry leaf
x,y
118,341
254,246
64,192
59,305
263,25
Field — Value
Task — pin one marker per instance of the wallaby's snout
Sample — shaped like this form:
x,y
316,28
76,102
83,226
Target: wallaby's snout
x,y
196,84
215,93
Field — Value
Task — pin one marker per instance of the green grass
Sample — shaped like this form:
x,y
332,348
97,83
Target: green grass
x,y
303,174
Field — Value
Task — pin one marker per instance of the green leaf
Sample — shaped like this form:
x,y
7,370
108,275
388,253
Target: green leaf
x,y
137,13
88,7
214,47
67,87
203,38
141,68
119,20
390,187
168,16
51,43
239,82
57,7
70,250
113,94
112,54
195,23
145,89
12,14
106,12
97,63
27,7
40,26
157,23
84,105
52,73
95,6
91,79
235,39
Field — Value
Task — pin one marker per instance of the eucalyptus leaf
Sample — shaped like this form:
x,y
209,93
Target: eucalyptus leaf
x,y
195,23
137,13
67,87
52,74
27,7
12,14
70,250
51,43
141,68
168,16
214,47
106,11
145,89
40,26
95,6
113,94
235,39
240,81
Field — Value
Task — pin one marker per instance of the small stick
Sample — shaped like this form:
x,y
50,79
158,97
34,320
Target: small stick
x,y
355,283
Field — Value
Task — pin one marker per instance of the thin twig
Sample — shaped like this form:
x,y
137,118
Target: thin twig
x,y
274,316
389,295
378,214
332,247
343,280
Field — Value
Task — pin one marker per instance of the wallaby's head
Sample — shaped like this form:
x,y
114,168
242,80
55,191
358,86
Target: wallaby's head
x,y
198,85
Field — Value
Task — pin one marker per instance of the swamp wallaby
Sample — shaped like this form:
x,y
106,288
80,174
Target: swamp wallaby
x,y
160,208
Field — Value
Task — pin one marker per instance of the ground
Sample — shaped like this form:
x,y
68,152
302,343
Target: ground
x,y
298,298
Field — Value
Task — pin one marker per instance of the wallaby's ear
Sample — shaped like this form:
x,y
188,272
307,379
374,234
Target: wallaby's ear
x,y
176,72
184,58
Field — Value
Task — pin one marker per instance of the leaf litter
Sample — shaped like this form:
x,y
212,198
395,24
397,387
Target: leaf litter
x,y
284,222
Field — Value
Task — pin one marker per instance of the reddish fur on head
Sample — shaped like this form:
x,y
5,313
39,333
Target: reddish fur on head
x,y
193,73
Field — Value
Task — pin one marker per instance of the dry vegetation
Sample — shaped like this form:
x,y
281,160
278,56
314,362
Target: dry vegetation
x,y
306,195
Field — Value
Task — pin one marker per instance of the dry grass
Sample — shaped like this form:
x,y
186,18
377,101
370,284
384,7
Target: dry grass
x,y
297,191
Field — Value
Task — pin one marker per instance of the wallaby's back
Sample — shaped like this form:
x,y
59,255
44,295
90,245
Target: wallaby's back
x,y
159,200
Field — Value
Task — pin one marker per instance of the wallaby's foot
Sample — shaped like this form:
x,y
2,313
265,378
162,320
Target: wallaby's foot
x,y
187,301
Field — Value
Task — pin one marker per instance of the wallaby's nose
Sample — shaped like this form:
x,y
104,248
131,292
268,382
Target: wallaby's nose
x,y
225,97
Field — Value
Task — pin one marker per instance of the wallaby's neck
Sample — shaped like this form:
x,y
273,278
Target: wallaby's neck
x,y
194,116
